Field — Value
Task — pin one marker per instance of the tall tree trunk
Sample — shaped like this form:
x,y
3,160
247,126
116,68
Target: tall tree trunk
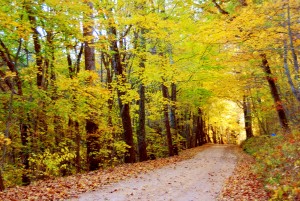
x,y
124,106
275,94
24,129
37,47
52,58
2,187
110,102
93,142
173,120
173,107
295,59
141,130
12,65
93,145
247,117
201,128
74,125
198,139
77,151
89,50
128,134
295,91
166,120
214,132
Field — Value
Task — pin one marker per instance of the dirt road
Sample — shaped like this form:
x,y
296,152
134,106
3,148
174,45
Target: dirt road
x,y
198,179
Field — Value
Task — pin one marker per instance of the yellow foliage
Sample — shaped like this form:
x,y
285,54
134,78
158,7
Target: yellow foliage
x,y
4,140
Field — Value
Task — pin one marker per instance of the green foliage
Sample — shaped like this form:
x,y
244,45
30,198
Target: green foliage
x,y
197,97
278,163
156,143
51,163
12,174
120,149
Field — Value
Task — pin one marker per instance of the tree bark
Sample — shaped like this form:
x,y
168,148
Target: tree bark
x,y
275,94
198,139
37,47
214,132
221,10
93,145
141,130
201,128
294,55
173,121
295,91
89,50
110,102
12,65
166,120
77,140
247,117
25,152
2,187
243,3
124,106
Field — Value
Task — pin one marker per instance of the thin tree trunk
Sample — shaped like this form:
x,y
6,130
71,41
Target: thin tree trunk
x,y
25,152
2,187
288,74
77,140
201,125
8,122
74,125
166,120
12,65
214,132
197,118
89,50
173,120
275,94
92,143
52,56
141,130
295,59
247,117
37,48
124,106
110,103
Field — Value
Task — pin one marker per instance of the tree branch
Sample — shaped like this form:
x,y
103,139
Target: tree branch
x,y
221,10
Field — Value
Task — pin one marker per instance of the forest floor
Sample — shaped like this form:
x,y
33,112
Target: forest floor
x,y
209,172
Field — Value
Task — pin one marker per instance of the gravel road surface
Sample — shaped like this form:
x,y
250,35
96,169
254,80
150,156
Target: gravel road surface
x,y
198,179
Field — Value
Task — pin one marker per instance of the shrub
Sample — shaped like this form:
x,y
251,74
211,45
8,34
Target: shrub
x,y
278,164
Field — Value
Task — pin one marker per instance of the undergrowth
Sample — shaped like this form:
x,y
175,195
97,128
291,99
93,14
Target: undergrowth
x,y
277,164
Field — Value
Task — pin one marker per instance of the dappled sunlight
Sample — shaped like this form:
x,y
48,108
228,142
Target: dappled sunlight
x,y
226,117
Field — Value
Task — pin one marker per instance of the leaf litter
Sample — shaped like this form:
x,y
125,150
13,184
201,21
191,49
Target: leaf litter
x,y
242,185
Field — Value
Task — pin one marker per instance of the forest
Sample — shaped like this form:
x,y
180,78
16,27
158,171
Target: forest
x,y
89,84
